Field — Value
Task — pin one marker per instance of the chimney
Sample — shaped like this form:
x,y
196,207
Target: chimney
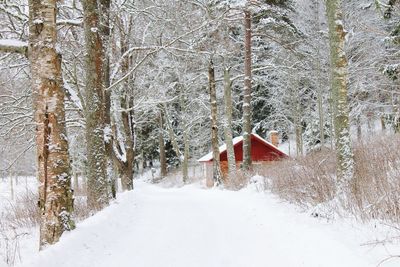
x,y
274,138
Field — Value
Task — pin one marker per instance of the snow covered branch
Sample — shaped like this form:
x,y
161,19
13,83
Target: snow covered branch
x,y
70,22
13,46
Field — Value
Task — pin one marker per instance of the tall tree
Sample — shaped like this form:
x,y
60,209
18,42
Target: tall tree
x,y
339,86
247,92
217,176
55,194
97,182
161,142
106,33
185,137
123,122
228,125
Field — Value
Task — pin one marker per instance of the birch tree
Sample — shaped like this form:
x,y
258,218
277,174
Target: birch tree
x,y
247,128
217,176
55,194
337,39
163,157
228,124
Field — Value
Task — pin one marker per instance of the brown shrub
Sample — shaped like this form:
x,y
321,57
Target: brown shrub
x,y
81,209
23,212
239,181
376,187
375,190
308,180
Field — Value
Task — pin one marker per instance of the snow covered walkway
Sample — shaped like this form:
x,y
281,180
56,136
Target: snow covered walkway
x,y
190,227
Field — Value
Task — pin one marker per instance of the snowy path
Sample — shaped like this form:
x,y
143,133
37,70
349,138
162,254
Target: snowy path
x,y
190,227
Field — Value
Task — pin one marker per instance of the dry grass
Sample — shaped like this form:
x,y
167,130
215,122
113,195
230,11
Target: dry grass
x,y
375,193
10,243
23,212
239,181
18,216
376,188
305,181
81,209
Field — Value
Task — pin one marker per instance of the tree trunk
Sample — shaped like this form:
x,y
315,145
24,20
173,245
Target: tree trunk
x,y
217,177
320,95
124,135
185,163
299,140
383,123
297,114
228,125
171,134
247,94
11,185
126,170
359,129
163,157
55,194
97,181
331,119
76,182
321,116
337,34
106,33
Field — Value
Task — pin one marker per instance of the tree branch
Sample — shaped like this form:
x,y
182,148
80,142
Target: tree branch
x,y
14,46
70,22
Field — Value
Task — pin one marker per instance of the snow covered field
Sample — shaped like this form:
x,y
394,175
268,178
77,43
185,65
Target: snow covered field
x,y
190,226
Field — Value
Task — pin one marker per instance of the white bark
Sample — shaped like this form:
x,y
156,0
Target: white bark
x,y
228,125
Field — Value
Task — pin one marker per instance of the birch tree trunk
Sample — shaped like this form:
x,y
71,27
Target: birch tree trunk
x,y
298,128
228,125
163,157
55,194
76,182
97,182
320,95
217,177
337,34
247,93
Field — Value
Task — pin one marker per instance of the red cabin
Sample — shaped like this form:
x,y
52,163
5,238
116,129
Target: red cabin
x,y
262,152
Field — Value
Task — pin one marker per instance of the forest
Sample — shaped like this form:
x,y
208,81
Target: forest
x,y
97,96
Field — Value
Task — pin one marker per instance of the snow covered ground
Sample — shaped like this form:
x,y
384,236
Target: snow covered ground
x,y
16,243
191,226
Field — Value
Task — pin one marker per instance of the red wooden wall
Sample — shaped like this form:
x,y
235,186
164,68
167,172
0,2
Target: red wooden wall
x,y
260,151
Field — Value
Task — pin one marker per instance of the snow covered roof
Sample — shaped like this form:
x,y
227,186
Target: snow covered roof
x,y
236,140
